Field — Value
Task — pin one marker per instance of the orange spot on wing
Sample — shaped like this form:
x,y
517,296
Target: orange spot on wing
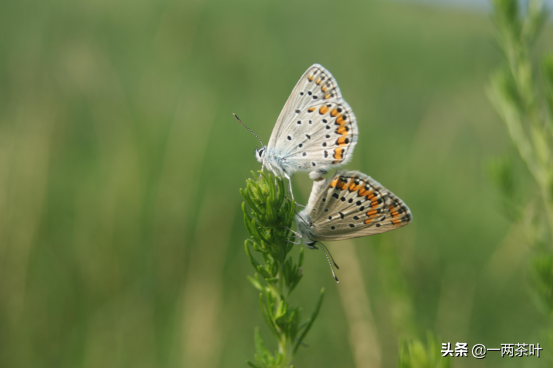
x,y
334,112
323,110
340,120
310,77
374,203
324,89
370,195
342,130
368,221
342,184
311,109
342,141
363,192
327,96
353,187
372,213
318,81
396,222
338,153
334,182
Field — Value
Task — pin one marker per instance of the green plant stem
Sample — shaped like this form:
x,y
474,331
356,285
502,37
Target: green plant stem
x,y
268,218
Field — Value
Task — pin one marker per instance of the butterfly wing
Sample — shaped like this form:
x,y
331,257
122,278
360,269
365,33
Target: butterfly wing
x,y
316,128
353,205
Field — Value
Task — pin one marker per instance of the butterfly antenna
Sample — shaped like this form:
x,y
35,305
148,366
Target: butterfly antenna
x,y
327,253
332,258
251,131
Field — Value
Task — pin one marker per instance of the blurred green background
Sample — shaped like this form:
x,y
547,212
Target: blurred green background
x,y
121,233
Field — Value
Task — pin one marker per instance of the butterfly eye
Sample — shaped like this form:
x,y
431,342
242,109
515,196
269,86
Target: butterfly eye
x,y
260,152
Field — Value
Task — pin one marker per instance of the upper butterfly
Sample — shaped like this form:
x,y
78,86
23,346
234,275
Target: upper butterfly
x,y
315,131
350,205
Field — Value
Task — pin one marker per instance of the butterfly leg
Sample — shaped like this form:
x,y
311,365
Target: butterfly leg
x,y
297,236
297,204
289,177
295,241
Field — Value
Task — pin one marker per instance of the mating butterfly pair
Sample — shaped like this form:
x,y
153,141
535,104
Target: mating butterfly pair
x,y
317,131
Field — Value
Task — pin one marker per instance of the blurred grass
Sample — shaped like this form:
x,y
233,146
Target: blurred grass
x,y
121,235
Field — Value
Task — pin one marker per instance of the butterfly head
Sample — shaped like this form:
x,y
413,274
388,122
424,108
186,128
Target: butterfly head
x,y
260,153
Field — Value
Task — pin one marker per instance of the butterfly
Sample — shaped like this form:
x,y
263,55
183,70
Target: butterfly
x,y
349,205
315,131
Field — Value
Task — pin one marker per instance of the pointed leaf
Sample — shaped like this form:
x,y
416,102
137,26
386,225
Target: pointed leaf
x,y
253,261
270,214
310,321
263,355
256,284
265,311
252,364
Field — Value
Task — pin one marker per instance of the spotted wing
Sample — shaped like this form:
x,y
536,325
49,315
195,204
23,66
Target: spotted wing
x,y
353,205
316,128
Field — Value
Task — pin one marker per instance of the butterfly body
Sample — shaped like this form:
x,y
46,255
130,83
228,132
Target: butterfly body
x,y
350,205
315,131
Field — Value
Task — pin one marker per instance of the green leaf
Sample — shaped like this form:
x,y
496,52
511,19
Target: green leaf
x,y
281,312
292,323
269,183
280,190
263,355
255,234
249,222
263,272
297,279
253,261
270,214
256,284
266,313
309,322
252,365
248,198
262,234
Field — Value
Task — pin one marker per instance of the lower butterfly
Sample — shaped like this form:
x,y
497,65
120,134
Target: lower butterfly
x,y
349,205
